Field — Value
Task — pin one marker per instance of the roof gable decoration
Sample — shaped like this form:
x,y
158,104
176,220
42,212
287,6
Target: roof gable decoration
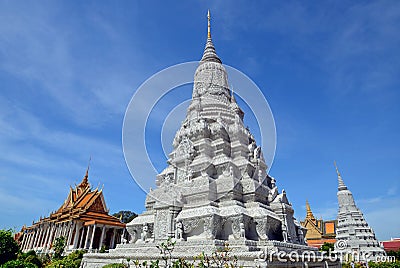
x,y
309,224
98,203
83,197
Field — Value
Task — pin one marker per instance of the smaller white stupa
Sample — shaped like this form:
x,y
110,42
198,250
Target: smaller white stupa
x,y
354,236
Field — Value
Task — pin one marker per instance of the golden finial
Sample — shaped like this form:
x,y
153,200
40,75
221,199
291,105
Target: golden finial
x,y
209,24
88,166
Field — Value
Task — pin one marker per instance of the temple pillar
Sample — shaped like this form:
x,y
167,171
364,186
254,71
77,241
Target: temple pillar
x,y
48,242
39,241
72,228
57,230
33,238
113,239
91,240
26,242
24,235
76,236
70,225
102,236
87,237
45,234
60,233
52,235
48,230
82,235
28,245
70,231
63,230
39,234
28,236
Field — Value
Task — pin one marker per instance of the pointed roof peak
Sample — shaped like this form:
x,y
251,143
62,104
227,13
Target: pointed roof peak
x,y
309,214
341,185
209,52
85,181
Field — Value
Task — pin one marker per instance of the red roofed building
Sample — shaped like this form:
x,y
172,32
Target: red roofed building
x,y
393,244
83,220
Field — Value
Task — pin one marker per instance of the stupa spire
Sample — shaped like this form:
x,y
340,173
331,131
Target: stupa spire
x,y
209,52
209,24
341,184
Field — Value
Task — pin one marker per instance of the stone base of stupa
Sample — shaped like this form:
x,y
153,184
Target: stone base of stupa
x,y
248,253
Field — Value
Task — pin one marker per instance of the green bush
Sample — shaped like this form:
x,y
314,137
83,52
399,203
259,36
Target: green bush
x,y
22,255
73,260
18,264
395,264
76,255
34,260
115,265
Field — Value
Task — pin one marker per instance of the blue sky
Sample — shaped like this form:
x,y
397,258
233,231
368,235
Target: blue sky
x,y
330,71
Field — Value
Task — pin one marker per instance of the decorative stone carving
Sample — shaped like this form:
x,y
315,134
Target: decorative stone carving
x,y
212,225
260,177
236,230
190,224
242,230
185,148
161,224
134,233
145,232
262,229
284,233
179,231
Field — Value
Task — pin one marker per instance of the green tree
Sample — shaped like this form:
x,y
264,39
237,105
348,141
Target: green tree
x,y
327,247
127,216
8,247
395,254
59,247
